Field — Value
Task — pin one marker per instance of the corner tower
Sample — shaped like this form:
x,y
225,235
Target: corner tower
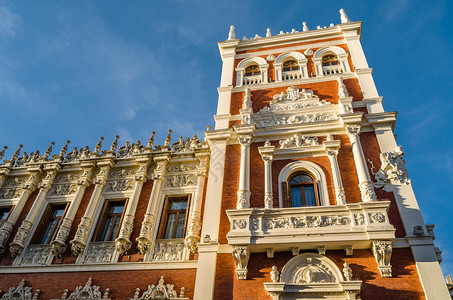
x,y
308,192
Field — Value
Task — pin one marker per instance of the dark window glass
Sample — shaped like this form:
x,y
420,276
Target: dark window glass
x,y
50,222
4,213
303,191
174,218
110,221
252,70
290,65
329,60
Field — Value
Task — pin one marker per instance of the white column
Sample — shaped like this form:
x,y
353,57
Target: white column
x,y
194,228
123,242
144,240
59,244
332,148
81,236
318,66
28,187
365,185
303,68
267,154
17,245
244,173
208,247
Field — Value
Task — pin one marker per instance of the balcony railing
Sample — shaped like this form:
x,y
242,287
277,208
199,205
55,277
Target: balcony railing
x,y
252,80
330,70
292,75
334,227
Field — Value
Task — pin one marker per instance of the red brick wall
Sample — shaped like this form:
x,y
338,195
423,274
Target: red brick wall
x,y
122,284
404,283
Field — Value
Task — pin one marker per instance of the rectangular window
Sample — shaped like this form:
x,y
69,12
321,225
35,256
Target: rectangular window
x,y
50,222
174,218
110,221
4,214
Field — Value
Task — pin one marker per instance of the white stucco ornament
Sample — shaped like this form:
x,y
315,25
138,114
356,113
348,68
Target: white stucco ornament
x,y
393,169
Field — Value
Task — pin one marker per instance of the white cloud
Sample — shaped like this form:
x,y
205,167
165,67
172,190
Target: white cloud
x,y
8,22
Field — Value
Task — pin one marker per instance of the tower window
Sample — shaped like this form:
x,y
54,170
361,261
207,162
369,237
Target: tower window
x,y
301,189
252,70
329,60
110,221
290,65
50,222
174,218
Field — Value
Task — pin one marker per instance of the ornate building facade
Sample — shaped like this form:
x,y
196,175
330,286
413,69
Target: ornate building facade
x,y
300,192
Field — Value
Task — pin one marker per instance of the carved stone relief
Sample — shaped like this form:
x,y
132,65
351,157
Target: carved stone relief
x,y
179,180
298,140
239,224
88,292
21,292
305,222
160,291
119,185
181,168
100,252
168,250
241,255
382,251
62,189
36,255
377,217
393,169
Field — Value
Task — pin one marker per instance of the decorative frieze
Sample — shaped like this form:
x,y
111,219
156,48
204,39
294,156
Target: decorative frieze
x,y
298,140
62,189
179,180
168,250
99,252
181,168
119,185
36,255
382,251
305,222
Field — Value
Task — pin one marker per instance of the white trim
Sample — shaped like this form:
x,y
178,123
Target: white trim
x,y
313,169
301,61
240,70
320,52
297,261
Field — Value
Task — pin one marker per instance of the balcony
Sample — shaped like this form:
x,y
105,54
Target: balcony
x,y
331,70
351,226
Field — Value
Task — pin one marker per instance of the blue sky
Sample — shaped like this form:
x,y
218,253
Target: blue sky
x,y
79,70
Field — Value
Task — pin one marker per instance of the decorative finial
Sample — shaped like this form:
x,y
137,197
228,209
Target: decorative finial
x,y
208,127
64,148
48,150
331,25
329,137
114,143
247,99
304,26
2,153
98,146
231,34
274,274
151,140
268,32
342,90
168,137
344,17
318,27
267,143
347,271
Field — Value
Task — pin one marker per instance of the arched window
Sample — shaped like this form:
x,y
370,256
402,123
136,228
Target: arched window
x,y
290,65
252,70
329,60
301,189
